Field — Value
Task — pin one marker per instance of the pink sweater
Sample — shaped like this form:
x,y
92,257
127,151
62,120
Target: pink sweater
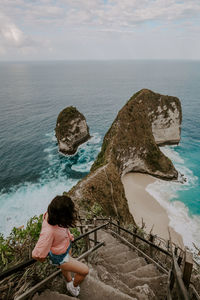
x,y
54,238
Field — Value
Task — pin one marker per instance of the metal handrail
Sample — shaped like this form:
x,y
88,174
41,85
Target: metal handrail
x,y
31,261
142,239
176,272
182,291
50,277
147,257
91,231
176,276
17,268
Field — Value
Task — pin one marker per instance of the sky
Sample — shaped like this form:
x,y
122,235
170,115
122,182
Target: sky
x,y
99,29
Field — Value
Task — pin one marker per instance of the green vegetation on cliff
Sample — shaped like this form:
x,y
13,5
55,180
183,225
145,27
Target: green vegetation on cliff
x,y
130,146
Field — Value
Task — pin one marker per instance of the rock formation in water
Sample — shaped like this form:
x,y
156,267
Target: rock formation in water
x,y
71,130
131,144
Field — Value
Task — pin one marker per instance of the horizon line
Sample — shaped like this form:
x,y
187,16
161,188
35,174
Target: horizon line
x,y
90,60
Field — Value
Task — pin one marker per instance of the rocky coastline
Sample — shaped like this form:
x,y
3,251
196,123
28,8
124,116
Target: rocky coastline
x,y
71,130
146,121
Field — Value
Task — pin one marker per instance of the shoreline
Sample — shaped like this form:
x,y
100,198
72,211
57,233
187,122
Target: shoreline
x,y
146,208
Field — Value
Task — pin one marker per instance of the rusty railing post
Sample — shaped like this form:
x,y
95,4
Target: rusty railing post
x,y
87,241
168,245
151,239
81,226
187,269
110,225
134,237
95,233
118,224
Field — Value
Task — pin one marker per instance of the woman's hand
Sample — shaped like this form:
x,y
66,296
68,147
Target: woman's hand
x,y
71,237
41,259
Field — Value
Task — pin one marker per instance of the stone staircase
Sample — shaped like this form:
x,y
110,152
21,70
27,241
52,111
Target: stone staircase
x,y
116,272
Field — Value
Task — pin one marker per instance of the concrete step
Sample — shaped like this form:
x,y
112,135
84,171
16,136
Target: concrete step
x,y
120,258
146,271
126,267
133,281
132,264
157,284
107,250
50,295
128,272
92,289
108,238
116,272
114,281
144,292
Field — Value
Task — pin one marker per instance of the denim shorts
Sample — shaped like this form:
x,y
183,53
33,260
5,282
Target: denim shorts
x,y
59,259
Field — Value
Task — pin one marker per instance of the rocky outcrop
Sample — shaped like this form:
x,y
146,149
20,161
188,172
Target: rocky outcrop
x,y
71,130
131,145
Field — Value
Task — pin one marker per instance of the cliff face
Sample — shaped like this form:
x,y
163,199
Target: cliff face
x,y
131,145
165,117
71,130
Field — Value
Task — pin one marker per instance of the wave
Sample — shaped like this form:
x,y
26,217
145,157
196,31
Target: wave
x,y
180,218
168,193
29,199
179,163
86,152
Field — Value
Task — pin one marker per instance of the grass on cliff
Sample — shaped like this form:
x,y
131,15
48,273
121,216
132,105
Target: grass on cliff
x,y
101,159
18,245
63,120
17,248
67,114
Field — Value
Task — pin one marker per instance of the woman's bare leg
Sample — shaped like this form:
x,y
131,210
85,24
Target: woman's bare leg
x,y
77,267
67,274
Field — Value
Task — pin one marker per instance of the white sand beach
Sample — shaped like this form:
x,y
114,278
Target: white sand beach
x,y
144,207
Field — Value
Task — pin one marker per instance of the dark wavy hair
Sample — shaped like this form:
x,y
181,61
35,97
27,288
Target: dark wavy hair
x,y
62,212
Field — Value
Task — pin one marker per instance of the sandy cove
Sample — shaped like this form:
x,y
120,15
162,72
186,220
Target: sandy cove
x,y
143,206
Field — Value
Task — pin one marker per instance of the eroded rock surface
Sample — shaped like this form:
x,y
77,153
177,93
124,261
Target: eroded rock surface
x,y
71,130
147,120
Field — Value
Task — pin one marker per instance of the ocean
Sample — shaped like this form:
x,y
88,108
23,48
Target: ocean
x,y
32,94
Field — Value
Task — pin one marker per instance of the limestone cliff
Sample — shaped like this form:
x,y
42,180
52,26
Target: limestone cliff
x,y
131,144
71,130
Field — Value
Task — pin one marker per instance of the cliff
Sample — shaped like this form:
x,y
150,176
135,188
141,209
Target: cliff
x,y
147,120
71,130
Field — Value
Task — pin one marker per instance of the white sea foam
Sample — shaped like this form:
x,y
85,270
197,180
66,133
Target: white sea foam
x,y
172,154
87,153
180,219
52,136
79,168
179,163
163,191
29,199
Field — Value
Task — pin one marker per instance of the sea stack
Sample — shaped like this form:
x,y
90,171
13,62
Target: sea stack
x,y
71,130
131,144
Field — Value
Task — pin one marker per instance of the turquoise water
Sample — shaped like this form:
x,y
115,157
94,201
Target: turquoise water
x,y
32,171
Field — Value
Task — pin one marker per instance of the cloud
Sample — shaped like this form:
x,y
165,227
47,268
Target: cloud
x,y
10,34
102,13
12,38
118,13
58,27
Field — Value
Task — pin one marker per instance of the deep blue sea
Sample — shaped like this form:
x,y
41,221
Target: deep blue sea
x,y
32,94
